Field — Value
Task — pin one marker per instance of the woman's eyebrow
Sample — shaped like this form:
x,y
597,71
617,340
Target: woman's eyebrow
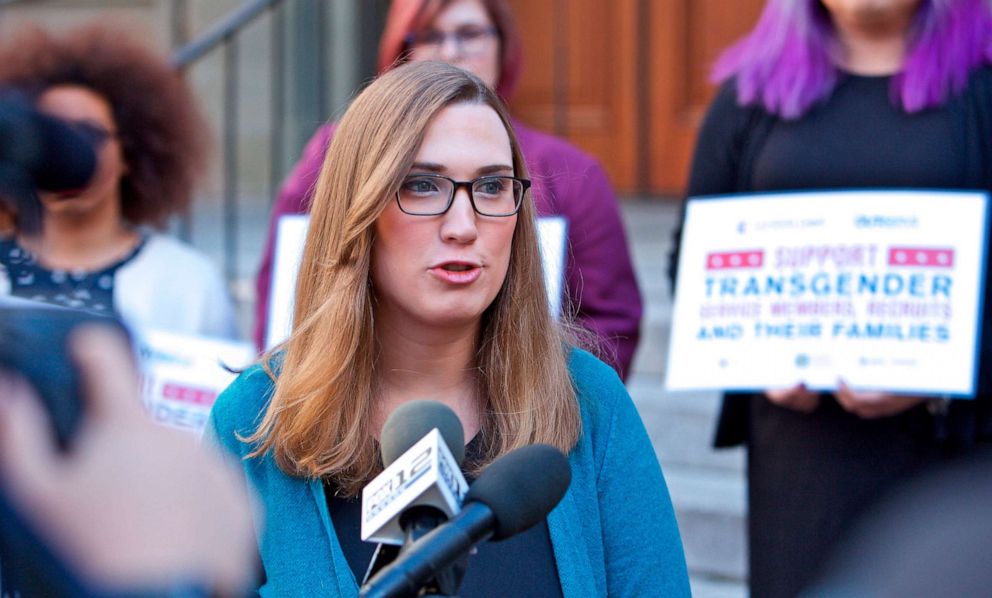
x,y
483,171
428,166
494,169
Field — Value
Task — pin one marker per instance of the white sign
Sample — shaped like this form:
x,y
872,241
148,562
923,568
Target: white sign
x,y
291,233
182,375
426,474
883,289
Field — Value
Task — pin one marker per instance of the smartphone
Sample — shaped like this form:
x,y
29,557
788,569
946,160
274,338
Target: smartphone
x,y
34,343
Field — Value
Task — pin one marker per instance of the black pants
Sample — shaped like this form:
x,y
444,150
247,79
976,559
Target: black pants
x,y
812,475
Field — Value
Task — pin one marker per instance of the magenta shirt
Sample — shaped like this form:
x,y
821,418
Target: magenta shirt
x,y
567,182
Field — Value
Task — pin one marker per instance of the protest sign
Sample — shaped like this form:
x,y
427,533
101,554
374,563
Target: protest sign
x,y
883,289
182,375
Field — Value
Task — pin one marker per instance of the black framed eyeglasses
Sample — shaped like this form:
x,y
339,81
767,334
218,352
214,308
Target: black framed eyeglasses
x,y
433,194
469,39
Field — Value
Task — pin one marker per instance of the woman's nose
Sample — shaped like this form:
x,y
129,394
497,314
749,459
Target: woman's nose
x,y
451,49
459,223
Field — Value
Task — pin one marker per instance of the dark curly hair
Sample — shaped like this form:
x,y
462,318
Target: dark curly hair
x,y
162,133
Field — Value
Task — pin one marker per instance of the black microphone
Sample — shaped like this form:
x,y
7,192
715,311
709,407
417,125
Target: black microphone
x,y
55,155
422,445
512,495
39,152
422,478
411,421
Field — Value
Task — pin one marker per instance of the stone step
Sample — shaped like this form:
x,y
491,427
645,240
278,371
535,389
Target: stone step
x,y
706,587
681,426
652,348
711,511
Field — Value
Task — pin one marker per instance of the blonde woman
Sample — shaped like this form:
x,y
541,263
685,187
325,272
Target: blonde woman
x,y
482,37
421,279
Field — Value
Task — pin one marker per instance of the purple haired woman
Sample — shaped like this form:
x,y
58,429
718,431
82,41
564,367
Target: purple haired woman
x,y
846,94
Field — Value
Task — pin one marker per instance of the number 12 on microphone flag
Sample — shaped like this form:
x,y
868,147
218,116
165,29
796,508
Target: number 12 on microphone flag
x,y
426,473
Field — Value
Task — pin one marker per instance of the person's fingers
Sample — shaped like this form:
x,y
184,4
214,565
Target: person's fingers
x,y
860,404
806,402
872,404
28,452
845,397
899,404
861,395
783,395
798,398
107,370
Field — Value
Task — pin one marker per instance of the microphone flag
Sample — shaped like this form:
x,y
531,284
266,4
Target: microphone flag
x,y
427,474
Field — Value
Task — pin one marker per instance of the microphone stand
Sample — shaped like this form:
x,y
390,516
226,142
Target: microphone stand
x,y
417,522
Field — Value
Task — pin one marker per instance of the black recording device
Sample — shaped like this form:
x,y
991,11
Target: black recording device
x,y
34,343
39,152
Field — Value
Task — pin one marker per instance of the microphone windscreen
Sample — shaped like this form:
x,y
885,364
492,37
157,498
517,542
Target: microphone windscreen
x,y
56,156
412,421
522,487
67,160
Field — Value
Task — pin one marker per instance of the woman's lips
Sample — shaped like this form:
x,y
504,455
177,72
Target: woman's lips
x,y
457,273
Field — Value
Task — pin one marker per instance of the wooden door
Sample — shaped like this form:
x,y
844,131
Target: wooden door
x,y
626,80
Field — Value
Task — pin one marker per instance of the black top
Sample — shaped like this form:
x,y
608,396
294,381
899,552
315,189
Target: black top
x,y
856,139
523,565
90,290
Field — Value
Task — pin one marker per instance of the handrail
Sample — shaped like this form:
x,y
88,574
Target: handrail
x,y
225,35
219,32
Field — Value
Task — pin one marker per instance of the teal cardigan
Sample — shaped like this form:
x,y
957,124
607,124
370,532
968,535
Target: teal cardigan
x,y
614,533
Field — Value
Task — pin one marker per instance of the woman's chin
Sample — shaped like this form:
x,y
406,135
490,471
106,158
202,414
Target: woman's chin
x,y
69,205
454,316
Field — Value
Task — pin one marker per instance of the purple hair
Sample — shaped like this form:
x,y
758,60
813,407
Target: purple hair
x,y
785,63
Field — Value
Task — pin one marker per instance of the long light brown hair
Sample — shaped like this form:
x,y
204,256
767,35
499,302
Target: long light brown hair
x,y
319,422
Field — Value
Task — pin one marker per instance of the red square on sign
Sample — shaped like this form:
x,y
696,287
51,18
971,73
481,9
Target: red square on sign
x,y
921,257
188,394
735,260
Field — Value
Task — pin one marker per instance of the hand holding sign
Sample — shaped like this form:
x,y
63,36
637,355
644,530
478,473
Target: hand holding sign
x,y
873,405
798,398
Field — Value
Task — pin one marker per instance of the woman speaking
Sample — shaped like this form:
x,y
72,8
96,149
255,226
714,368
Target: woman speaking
x,y
481,37
421,279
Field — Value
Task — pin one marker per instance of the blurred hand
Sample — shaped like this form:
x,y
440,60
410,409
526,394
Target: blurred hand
x,y
873,405
132,505
798,398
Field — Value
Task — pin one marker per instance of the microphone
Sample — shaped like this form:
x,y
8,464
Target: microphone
x,y
513,494
422,445
39,152
56,156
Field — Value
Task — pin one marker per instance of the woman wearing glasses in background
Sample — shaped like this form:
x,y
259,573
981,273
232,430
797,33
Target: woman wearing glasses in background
x,y
94,251
480,37
421,277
